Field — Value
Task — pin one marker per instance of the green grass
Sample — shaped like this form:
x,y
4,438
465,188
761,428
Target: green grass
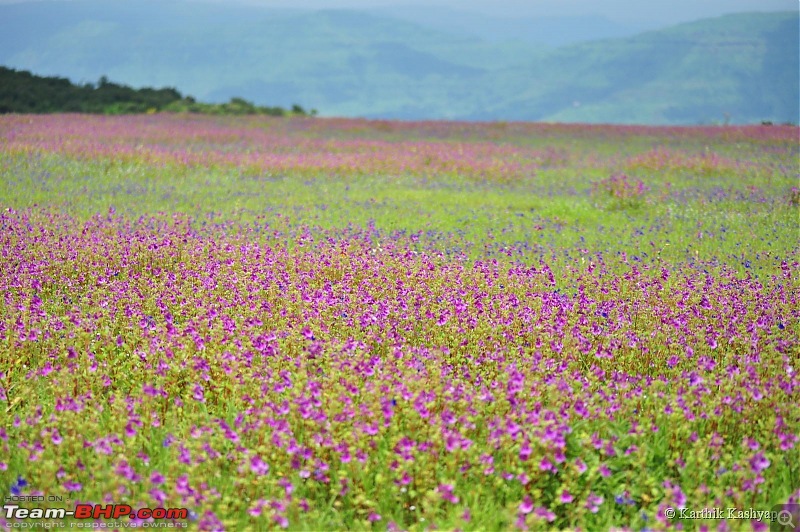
x,y
553,210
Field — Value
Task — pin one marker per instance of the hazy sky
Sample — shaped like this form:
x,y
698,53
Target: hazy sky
x,y
650,12
668,11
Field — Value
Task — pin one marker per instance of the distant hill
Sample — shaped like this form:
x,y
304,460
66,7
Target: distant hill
x,y
549,31
738,68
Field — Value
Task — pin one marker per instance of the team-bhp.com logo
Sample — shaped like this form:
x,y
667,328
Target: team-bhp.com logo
x,y
94,511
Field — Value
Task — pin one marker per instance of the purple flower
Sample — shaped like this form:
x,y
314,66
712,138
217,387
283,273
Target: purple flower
x,y
759,462
546,514
256,509
593,503
73,486
197,394
678,497
446,490
525,452
752,444
125,470
258,466
158,495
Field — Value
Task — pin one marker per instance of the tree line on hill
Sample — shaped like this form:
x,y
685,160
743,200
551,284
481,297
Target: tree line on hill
x,y
24,92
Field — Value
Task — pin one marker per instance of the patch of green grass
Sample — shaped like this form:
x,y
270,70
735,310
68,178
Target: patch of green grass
x,y
697,219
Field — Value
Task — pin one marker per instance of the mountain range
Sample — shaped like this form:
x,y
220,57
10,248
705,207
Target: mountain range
x,y
407,64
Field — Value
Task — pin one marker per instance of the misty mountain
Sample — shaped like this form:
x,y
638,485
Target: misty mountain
x,y
738,68
741,68
548,31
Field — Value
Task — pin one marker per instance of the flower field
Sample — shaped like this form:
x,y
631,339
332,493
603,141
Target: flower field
x,y
321,324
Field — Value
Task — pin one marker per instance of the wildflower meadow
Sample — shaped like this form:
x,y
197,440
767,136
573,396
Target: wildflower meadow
x,y
326,324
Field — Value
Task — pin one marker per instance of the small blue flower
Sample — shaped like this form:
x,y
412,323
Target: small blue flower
x,y
16,487
622,499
